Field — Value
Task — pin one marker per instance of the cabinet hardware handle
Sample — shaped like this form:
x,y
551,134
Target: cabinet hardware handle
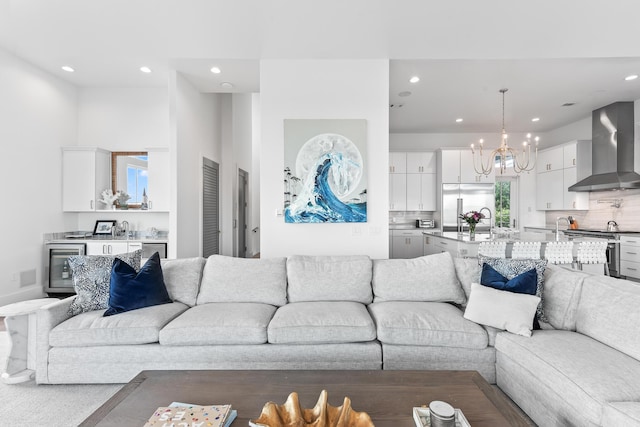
x,y
631,268
574,162
632,253
91,204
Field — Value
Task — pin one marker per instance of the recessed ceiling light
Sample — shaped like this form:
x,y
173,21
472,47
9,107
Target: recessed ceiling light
x,y
145,69
226,85
405,93
631,77
68,69
414,79
568,104
458,120
215,70
535,119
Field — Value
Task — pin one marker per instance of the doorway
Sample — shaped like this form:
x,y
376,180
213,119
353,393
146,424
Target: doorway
x,y
210,208
243,180
506,191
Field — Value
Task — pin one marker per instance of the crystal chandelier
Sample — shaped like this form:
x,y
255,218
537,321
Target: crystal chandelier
x,y
505,156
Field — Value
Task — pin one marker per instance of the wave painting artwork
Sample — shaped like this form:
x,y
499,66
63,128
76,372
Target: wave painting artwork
x,y
326,183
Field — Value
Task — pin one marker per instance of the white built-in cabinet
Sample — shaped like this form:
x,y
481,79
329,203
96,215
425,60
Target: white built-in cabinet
x,y
406,243
159,183
457,167
85,173
412,181
630,256
107,247
558,168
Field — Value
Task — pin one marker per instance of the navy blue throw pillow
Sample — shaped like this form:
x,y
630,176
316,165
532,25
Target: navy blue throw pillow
x,y
525,283
130,290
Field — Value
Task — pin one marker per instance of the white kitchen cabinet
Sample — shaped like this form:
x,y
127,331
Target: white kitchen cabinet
x,y
421,192
397,192
630,256
86,172
107,247
550,160
468,172
456,166
397,162
406,244
557,169
421,162
573,199
429,246
159,180
549,190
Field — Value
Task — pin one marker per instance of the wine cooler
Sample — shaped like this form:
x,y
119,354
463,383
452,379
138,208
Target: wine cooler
x,y
57,275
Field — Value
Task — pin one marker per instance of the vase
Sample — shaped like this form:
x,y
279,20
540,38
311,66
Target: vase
x,y
472,232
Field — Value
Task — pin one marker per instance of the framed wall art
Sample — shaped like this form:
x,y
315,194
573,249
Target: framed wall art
x,y
325,177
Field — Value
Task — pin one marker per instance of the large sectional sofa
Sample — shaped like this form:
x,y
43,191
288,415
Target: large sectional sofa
x,y
350,312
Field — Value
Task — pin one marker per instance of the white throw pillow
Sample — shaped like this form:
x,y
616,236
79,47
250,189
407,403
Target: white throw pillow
x,y
501,309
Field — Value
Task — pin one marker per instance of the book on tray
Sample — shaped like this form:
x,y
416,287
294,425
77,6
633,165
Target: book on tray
x,y
188,415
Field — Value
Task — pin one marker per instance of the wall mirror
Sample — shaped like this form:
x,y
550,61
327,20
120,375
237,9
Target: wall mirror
x,y
129,172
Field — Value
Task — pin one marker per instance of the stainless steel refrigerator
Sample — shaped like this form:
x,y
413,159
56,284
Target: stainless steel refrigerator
x,y
461,198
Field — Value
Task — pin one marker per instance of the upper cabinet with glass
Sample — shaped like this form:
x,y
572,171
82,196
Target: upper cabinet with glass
x,y
97,180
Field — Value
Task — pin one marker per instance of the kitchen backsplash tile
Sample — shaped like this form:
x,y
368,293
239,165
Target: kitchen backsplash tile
x,y
627,215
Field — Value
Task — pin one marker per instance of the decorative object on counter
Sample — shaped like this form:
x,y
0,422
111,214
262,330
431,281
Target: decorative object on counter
x,y
145,200
442,414
291,414
123,198
422,418
104,227
472,218
521,162
107,198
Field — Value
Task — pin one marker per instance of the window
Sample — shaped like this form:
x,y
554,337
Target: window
x,y
137,180
506,190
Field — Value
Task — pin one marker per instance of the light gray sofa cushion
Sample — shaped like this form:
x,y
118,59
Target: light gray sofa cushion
x,y
229,279
468,271
429,278
425,323
182,278
321,322
618,414
562,288
572,364
608,311
220,323
329,278
140,326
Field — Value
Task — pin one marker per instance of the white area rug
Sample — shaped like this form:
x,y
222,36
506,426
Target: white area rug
x,y
28,404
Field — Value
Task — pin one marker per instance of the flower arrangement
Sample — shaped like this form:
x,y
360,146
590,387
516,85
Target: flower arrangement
x,y
472,218
107,197
122,197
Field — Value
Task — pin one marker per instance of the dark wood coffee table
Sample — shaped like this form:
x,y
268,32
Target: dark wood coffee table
x,y
387,396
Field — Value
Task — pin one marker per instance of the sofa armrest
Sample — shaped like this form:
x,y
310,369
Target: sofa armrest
x,y
48,317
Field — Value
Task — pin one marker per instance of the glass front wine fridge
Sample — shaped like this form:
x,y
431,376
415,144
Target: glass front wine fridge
x,y
58,277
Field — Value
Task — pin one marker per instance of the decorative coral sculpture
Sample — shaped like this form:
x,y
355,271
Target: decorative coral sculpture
x,y
322,415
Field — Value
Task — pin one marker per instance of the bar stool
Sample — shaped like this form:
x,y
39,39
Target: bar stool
x,y
493,249
559,252
593,253
522,250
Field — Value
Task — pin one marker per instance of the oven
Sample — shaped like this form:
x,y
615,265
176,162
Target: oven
x,y
613,246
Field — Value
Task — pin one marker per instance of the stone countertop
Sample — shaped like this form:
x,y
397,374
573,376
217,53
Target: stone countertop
x,y
84,237
514,237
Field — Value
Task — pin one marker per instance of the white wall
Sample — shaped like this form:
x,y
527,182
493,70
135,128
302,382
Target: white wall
x,y
255,169
38,114
324,89
124,119
195,133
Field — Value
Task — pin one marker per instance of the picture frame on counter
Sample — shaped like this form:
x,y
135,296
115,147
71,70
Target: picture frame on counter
x,y
104,226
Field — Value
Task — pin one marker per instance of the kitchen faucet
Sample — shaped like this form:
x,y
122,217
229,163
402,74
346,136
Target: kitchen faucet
x,y
557,226
125,227
490,220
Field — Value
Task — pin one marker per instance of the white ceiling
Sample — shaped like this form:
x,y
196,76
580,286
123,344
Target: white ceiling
x,y
546,52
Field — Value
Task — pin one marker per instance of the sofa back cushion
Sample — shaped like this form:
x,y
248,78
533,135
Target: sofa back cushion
x,y
562,288
182,278
229,279
329,278
429,278
608,312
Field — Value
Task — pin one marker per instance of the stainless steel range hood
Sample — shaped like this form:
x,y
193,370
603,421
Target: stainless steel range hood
x,y
612,150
